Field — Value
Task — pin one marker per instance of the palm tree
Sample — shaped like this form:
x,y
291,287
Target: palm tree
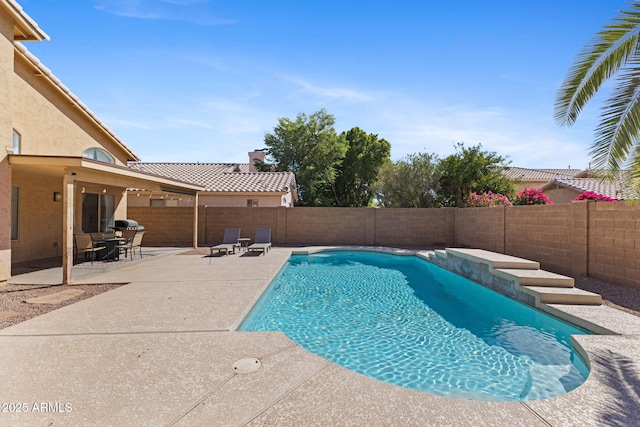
x,y
614,50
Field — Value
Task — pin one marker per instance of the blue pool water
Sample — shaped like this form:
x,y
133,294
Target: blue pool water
x,y
408,322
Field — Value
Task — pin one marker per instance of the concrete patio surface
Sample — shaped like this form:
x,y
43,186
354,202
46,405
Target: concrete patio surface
x,y
160,351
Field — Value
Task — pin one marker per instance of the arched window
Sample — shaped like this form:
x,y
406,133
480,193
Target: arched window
x,y
99,154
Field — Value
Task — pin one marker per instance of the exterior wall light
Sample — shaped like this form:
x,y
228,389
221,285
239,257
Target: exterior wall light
x,y
57,196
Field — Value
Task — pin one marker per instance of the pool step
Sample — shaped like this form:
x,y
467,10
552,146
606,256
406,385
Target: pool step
x,y
519,278
570,296
493,259
535,277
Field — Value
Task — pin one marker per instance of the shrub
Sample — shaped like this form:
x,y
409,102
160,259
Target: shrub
x,y
592,195
531,196
486,200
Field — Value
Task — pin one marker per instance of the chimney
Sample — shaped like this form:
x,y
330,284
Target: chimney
x,y
256,155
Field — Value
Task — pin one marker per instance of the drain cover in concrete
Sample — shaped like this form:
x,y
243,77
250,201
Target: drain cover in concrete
x,y
57,297
246,365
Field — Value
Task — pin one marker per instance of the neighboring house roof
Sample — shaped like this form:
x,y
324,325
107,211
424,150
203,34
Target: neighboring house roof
x,y
525,174
222,177
615,189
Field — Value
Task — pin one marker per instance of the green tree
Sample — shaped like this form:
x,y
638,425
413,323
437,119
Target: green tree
x,y
358,172
310,148
472,170
411,182
614,50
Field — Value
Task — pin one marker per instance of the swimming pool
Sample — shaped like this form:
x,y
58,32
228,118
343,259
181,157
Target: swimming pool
x,y
408,322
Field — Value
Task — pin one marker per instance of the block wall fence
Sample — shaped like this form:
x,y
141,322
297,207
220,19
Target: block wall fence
x,y
601,240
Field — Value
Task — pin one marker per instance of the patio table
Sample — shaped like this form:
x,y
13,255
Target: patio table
x,y
110,251
244,243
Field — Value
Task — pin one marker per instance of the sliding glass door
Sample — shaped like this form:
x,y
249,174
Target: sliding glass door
x,y
97,212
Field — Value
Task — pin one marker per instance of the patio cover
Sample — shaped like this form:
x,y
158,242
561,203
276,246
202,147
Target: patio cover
x,y
79,169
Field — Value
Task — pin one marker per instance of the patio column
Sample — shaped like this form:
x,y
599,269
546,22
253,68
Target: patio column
x,y
68,202
195,221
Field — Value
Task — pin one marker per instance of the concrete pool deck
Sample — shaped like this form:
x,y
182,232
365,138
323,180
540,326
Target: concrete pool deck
x,y
160,351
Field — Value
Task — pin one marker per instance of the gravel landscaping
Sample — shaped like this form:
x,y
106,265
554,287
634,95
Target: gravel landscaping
x,y
13,299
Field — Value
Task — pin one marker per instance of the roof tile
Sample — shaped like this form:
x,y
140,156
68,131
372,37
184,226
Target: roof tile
x,y
221,177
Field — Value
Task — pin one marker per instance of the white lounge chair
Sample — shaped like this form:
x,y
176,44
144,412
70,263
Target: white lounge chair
x,y
262,241
230,241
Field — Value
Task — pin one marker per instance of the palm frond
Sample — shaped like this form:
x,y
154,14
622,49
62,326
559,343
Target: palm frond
x,y
617,134
597,62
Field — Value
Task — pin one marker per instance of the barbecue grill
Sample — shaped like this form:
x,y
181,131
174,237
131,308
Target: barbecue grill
x,y
127,224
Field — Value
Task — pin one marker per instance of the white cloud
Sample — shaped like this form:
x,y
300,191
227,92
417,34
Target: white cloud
x,y
167,10
326,92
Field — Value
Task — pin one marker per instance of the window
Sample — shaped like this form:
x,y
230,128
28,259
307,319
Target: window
x,y
97,212
163,202
16,142
252,203
15,197
99,154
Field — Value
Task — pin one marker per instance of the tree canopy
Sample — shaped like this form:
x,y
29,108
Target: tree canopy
x,y
614,50
358,171
309,147
469,170
411,182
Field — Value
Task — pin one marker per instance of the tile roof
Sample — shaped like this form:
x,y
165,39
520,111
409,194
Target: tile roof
x,y
221,177
542,174
615,189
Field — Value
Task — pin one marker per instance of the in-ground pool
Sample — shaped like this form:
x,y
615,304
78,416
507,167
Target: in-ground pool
x,y
405,321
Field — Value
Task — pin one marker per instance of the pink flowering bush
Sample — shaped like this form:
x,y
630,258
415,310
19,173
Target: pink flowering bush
x,y
531,196
486,200
592,195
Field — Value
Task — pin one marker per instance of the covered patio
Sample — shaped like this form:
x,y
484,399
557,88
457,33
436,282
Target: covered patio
x,y
59,195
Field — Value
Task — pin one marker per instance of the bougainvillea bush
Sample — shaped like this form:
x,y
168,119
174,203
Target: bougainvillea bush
x,y
531,196
592,195
485,200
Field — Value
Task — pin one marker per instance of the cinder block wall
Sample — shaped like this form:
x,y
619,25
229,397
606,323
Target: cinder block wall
x,y
213,221
581,238
614,242
541,233
482,228
164,226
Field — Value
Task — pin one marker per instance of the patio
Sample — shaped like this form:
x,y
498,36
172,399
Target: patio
x,y
160,351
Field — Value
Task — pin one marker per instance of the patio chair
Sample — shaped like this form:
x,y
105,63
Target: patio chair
x,y
83,244
135,242
262,242
230,241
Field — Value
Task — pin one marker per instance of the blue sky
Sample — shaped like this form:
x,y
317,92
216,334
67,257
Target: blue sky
x,y
204,80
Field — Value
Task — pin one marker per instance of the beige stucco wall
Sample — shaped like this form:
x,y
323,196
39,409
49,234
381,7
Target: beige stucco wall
x,y
523,185
561,194
50,124
214,200
6,89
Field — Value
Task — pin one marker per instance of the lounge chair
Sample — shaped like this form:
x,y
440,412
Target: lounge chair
x,y
84,245
135,242
262,241
230,241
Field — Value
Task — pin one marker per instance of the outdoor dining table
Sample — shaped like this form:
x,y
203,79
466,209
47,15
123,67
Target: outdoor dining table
x,y
111,252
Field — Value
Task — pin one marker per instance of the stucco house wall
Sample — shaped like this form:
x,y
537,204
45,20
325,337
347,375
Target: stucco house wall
x,y
561,194
6,90
48,123
214,200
